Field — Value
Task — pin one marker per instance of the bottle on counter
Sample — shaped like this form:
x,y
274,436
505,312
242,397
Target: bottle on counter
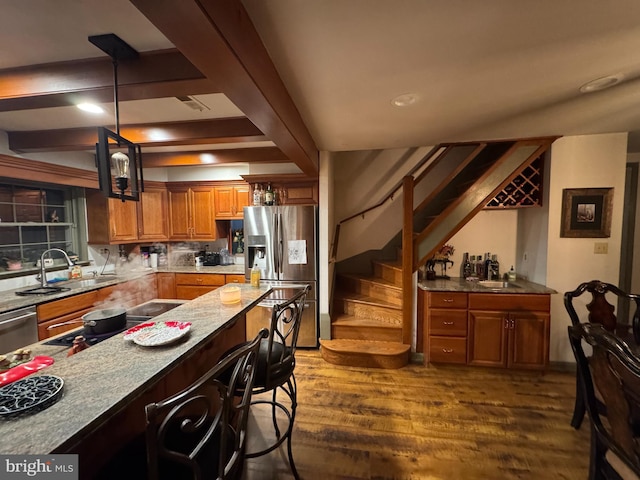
x,y
488,273
512,274
466,266
268,196
255,275
495,267
480,267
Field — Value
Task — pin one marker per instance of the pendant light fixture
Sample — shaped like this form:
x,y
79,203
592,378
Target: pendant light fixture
x,y
125,163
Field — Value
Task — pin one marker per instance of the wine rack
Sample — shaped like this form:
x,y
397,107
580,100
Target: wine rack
x,y
525,190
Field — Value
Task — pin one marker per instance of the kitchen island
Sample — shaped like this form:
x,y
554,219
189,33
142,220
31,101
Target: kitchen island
x,y
107,385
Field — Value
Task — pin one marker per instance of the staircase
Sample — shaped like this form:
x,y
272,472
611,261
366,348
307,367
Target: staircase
x,y
367,325
372,317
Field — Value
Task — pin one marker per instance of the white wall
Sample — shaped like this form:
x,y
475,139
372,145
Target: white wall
x,y
594,161
493,231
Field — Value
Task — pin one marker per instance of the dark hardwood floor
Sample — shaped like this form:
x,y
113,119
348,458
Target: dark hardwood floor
x,y
437,422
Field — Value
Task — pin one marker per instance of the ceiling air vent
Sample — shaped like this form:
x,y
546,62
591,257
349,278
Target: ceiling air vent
x,y
193,103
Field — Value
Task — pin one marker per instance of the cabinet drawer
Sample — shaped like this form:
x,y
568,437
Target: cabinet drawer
x,y
509,301
55,309
451,323
448,350
235,279
213,279
447,300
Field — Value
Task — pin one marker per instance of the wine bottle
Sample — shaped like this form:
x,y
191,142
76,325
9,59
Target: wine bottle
x,y
466,266
268,195
257,198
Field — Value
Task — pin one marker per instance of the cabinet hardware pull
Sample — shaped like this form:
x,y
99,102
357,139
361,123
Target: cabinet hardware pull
x,y
447,350
447,300
506,323
447,323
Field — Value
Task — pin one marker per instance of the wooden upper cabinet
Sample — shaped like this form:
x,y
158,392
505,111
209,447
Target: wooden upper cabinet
x,y
230,201
152,215
191,213
111,220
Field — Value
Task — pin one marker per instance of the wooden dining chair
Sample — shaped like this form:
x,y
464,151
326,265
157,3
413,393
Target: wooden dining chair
x,y
599,310
614,371
200,432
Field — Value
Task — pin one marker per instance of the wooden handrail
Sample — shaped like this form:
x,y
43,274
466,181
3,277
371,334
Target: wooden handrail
x,y
397,187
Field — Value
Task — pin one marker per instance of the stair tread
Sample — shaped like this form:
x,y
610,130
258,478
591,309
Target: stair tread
x,y
396,263
373,279
359,298
350,320
365,347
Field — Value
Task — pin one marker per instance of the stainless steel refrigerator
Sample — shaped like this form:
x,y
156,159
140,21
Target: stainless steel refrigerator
x,y
281,241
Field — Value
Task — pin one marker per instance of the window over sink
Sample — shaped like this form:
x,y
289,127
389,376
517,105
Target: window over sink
x,y
35,217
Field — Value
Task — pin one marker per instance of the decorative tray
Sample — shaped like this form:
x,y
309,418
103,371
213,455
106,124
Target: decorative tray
x,y
30,395
153,334
27,368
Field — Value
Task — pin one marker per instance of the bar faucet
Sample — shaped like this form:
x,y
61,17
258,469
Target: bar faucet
x,y
43,271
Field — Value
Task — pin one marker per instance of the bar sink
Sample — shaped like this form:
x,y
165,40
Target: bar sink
x,y
496,284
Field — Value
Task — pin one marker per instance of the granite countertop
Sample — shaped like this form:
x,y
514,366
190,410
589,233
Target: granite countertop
x,y
458,284
10,301
101,380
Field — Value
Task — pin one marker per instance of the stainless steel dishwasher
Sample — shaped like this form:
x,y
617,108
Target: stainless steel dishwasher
x,y
18,328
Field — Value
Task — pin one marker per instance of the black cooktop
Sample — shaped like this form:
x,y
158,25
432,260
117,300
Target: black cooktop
x,y
135,316
67,338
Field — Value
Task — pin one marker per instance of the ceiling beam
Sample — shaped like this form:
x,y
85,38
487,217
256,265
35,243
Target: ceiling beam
x,y
164,73
223,44
214,157
200,132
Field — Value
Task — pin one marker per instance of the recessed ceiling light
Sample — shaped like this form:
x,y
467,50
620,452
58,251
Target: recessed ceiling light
x,y
602,83
90,107
405,100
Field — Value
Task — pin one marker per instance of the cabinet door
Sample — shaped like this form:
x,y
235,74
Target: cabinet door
x,y
224,202
529,340
242,198
189,292
152,215
203,221
487,340
179,214
123,220
166,285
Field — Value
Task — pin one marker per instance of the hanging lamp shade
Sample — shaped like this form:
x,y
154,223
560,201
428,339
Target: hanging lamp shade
x,y
119,161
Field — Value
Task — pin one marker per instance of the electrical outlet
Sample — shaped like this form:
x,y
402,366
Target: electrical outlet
x,y
601,247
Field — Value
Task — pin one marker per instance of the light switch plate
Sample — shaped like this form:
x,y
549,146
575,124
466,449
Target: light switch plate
x,y
600,247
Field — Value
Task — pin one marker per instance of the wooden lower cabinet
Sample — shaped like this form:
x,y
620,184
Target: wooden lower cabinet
x,y
508,330
166,285
192,285
485,329
446,338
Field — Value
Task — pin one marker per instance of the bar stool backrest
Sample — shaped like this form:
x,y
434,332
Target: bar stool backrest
x,y
200,432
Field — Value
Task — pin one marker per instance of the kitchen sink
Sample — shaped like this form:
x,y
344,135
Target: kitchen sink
x,y
497,284
89,282
43,291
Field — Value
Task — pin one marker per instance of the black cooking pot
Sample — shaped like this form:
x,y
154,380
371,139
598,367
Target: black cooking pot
x,y
106,320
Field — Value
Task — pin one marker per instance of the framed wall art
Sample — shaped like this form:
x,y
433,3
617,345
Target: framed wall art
x,y
586,212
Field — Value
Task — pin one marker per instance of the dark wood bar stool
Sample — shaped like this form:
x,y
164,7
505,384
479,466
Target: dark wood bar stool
x,y
275,371
200,432
601,311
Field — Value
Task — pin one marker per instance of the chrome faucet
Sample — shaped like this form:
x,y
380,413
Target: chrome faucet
x,y
43,271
